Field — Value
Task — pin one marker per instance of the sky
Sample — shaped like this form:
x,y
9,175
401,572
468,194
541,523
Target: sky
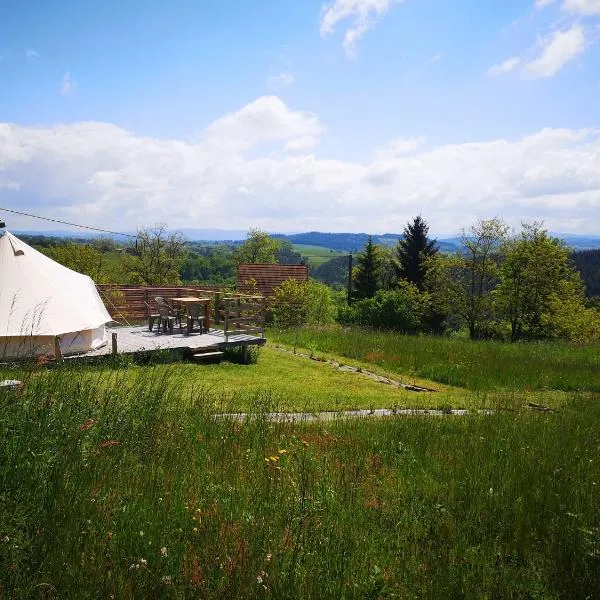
x,y
289,115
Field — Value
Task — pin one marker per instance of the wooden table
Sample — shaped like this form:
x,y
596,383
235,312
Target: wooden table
x,y
189,300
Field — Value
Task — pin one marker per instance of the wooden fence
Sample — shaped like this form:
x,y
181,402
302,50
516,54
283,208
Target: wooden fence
x,y
131,303
264,278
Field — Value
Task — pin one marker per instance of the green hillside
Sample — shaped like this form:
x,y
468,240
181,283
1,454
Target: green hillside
x,y
317,255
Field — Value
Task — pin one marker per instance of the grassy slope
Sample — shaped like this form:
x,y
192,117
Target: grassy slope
x,y
122,490
317,255
483,366
281,381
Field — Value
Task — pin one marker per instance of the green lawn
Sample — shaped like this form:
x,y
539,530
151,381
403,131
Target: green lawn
x,y
317,255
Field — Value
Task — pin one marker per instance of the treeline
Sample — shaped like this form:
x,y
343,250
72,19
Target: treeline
x,y
587,262
496,286
161,257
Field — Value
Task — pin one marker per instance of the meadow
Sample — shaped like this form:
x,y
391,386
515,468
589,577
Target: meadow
x,y
317,255
457,361
119,481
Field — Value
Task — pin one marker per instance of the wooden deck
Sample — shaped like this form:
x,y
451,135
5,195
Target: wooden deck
x,y
139,339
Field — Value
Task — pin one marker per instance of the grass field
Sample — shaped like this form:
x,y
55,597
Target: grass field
x,y
112,486
117,481
484,366
317,255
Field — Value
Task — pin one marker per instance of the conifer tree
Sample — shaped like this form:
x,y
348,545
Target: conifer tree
x,y
412,252
366,273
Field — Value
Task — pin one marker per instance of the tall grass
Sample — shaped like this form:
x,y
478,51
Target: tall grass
x,y
124,490
477,365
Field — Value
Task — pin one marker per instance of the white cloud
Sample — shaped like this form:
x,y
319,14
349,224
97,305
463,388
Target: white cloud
x,y
67,84
506,66
362,14
398,147
31,54
280,81
558,49
543,3
583,7
102,175
267,119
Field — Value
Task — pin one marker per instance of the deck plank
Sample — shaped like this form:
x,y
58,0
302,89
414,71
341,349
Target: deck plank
x,y
140,339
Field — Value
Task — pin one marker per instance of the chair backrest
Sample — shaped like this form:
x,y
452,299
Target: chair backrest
x,y
163,310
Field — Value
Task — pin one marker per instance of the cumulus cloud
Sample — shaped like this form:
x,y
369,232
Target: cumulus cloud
x,y
242,170
280,81
31,54
361,14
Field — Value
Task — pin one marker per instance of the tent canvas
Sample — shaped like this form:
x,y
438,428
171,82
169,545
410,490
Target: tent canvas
x,y
41,300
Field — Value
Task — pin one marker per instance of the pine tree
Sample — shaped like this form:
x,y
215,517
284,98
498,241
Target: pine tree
x,y
413,250
366,273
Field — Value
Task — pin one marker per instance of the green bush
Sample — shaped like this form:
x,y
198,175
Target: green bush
x,y
402,309
297,303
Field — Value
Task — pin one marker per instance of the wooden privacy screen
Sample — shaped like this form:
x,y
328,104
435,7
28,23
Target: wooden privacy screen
x,y
128,302
264,278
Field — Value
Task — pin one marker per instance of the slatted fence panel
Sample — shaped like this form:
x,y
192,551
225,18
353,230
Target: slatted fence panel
x,y
130,302
266,277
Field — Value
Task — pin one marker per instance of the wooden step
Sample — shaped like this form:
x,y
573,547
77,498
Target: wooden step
x,y
216,355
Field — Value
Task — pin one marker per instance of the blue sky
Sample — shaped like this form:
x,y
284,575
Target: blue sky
x,y
348,115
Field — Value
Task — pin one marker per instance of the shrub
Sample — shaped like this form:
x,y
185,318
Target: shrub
x,y
298,303
402,309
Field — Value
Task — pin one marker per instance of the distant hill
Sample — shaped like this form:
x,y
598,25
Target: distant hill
x,y
355,242
342,242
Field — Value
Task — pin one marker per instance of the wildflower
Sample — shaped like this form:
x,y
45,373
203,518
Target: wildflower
x,y
195,530
164,552
268,557
143,562
87,425
283,451
259,579
166,579
141,534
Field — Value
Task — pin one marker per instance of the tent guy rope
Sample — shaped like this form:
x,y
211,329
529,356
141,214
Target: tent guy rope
x,y
17,212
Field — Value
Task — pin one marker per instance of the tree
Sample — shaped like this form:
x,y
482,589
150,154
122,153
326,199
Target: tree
x,y
365,277
460,286
535,271
412,252
82,258
259,247
157,257
482,247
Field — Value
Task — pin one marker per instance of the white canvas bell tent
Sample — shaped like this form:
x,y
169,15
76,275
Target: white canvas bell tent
x,y
41,300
